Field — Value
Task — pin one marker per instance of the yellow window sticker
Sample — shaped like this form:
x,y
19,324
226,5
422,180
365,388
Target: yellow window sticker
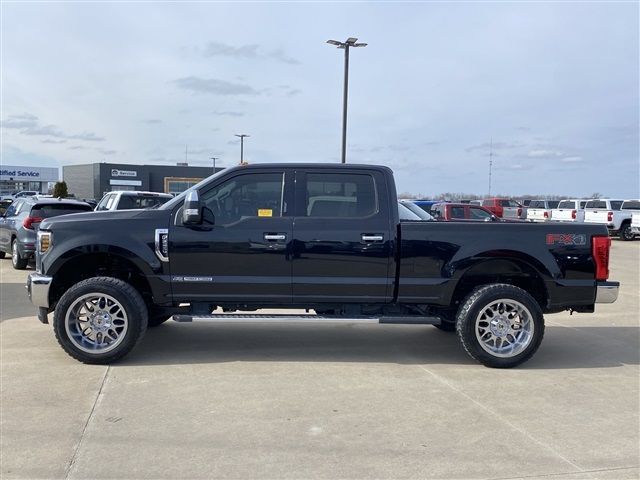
x,y
265,212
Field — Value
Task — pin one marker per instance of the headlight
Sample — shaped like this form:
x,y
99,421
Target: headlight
x,y
45,240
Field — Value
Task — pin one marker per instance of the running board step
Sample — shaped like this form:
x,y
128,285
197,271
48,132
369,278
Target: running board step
x,y
293,318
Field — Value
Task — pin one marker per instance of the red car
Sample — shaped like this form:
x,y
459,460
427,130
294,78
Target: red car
x,y
503,207
462,212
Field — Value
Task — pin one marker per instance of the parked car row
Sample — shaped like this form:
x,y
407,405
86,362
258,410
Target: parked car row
x,y
616,214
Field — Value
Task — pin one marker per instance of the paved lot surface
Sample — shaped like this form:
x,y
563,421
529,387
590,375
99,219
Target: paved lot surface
x,y
324,401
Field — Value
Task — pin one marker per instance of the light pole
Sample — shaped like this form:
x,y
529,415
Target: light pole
x,y
242,135
214,163
348,43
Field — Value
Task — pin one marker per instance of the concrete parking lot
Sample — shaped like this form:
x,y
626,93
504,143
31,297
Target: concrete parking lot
x,y
325,401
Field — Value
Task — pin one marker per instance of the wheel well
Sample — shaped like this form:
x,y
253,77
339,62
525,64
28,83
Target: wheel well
x,y
512,272
98,265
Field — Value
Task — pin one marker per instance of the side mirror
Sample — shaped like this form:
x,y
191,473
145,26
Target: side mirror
x,y
191,212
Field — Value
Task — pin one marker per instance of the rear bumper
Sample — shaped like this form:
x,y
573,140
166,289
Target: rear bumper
x,y
38,289
607,292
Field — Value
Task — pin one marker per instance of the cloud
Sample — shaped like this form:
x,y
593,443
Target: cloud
x,y
152,121
575,159
213,86
544,153
252,51
486,146
29,124
20,121
77,147
48,140
282,57
228,114
107,151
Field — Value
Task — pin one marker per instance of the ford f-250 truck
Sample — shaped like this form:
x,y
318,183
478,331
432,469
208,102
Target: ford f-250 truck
x,y
310,236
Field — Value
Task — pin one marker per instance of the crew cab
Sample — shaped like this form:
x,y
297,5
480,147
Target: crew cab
x,y
615,214
569,211
504,208
321,237
540,210
462,212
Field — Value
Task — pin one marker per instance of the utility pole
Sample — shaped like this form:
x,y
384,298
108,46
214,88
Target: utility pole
x,y
242,136
350,42
214,163
490,162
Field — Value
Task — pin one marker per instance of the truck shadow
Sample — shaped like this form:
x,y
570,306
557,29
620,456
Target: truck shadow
x,y
562,347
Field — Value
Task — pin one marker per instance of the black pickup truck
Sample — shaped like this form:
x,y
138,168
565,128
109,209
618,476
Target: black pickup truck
x,y
310,236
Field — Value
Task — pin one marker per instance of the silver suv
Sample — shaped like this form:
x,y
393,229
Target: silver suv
x,y
20,222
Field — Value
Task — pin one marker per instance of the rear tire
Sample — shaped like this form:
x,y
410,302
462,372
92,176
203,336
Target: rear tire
x,y
625,232
500,325
17,261
100,320
2,255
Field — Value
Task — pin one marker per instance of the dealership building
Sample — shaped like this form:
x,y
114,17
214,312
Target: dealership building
x,y
93,180
15,178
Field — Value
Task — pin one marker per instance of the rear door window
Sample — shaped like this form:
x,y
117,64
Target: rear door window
x,y
345,195
53,210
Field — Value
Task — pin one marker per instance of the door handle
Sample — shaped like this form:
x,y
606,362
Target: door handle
x,y
372,238
275,237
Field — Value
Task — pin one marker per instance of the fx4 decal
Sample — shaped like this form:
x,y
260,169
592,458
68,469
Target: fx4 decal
x,y
566,239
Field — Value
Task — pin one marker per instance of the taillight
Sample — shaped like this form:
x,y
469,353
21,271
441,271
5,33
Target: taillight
x,y
609,216
546,214
29,221
574,214
600,251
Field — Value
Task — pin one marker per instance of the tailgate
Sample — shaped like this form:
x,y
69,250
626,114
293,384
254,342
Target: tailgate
x,y
536,214
562,214
596,216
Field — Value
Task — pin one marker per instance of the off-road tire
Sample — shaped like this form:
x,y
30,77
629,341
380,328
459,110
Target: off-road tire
x,y
480,299
17,261
126,295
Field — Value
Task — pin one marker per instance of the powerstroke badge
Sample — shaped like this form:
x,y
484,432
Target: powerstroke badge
x,y
566,239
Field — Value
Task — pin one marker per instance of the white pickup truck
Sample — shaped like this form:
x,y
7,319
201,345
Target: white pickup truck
x,y
132,200
540,210
615,214
569,211
635,223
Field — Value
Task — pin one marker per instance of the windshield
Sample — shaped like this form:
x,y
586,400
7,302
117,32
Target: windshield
x,y
416,210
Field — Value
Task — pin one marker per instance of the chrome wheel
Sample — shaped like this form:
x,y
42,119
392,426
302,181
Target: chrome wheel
x,y
96,323
15,256
504,328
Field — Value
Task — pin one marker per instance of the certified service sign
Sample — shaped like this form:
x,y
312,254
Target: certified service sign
x,y
34,174
123,173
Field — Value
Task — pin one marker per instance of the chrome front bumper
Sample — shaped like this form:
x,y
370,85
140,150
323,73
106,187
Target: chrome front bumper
x,y
607,292
38,289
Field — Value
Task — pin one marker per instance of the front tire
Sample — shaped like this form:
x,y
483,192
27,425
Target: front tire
x,y
625,233
500,325
17,261
100,320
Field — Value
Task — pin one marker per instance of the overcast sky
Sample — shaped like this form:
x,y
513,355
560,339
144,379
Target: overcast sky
x,y
555,86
